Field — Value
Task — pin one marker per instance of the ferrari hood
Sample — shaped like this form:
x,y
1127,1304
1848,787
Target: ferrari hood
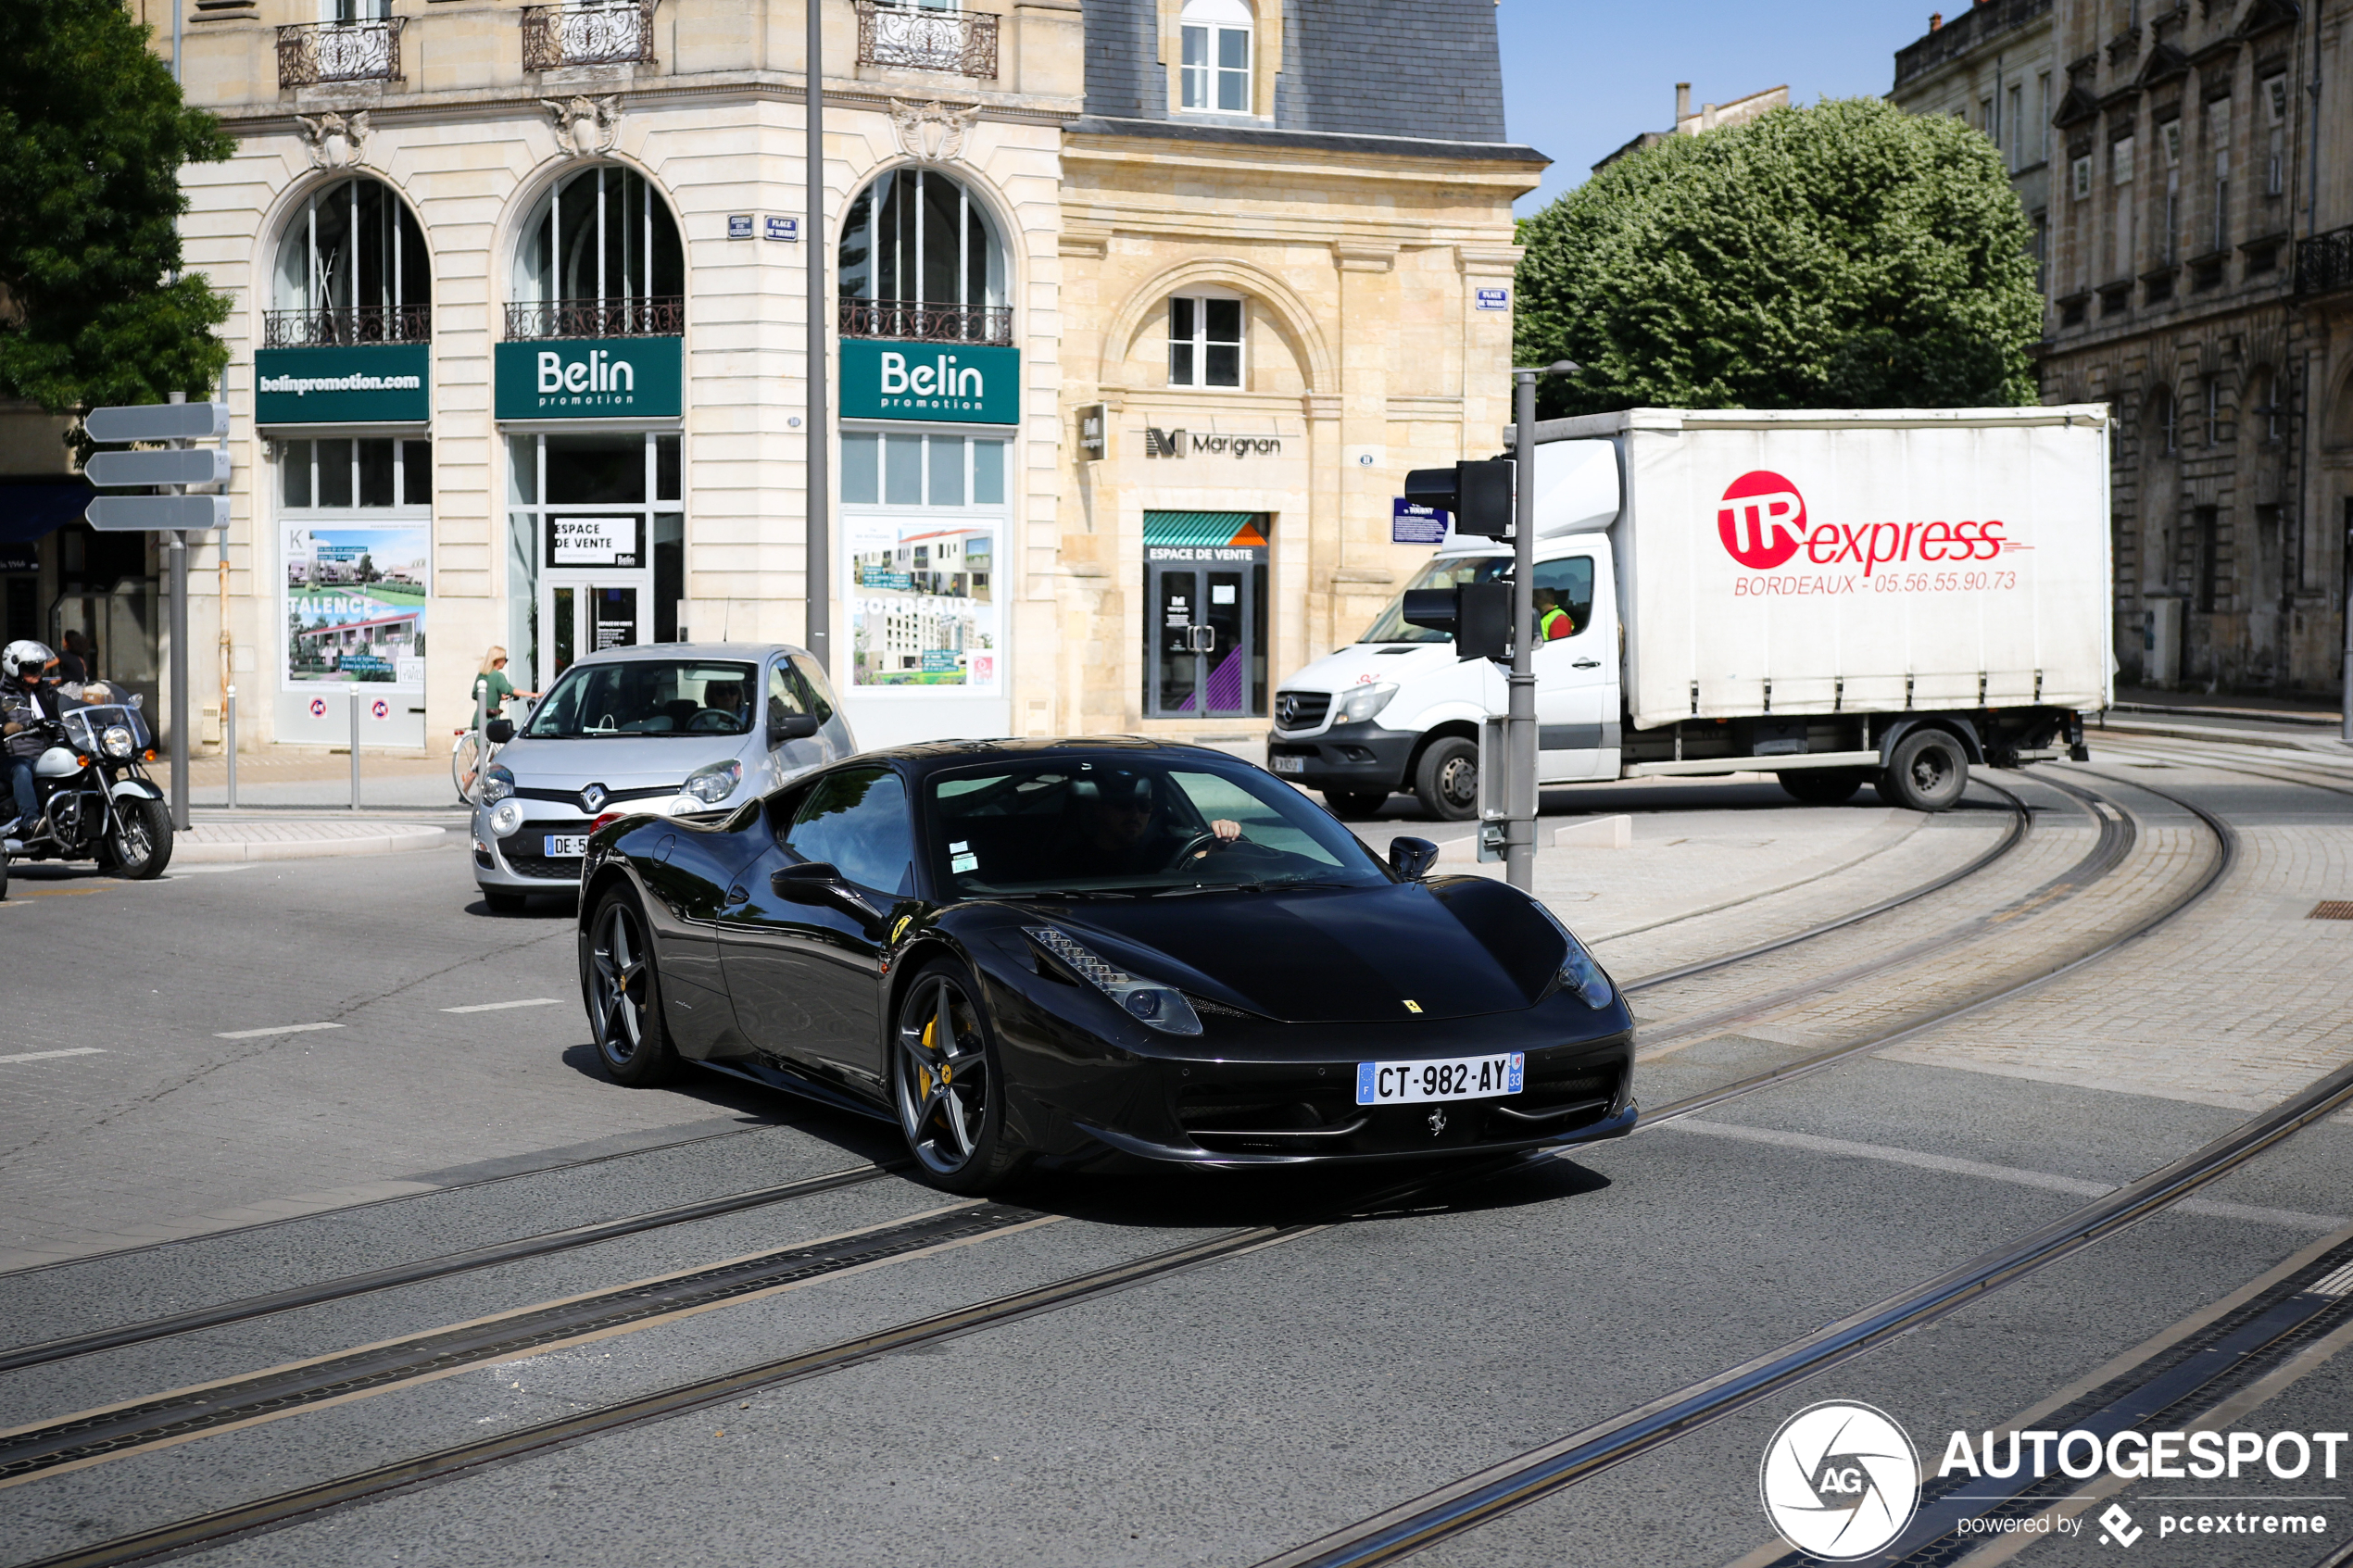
x,y
1336,956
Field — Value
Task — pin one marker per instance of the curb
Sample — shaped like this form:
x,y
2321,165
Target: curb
x,y
2322,746
391,839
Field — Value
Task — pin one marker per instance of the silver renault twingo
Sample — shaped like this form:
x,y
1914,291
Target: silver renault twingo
x,y
674,728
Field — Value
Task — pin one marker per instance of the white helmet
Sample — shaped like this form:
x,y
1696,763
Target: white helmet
x,y
25,659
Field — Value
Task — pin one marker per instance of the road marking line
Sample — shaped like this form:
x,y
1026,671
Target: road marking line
x,y
2011,1174
495,1006
45,1056
281,1029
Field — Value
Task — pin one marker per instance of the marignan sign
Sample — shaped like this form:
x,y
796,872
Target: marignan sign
x,y
628,378
950,382
377,383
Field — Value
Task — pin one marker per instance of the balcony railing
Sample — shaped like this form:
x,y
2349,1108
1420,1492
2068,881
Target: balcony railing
x,y
316,52
2324,262
920,38
613,33
646,316
333,327
915,321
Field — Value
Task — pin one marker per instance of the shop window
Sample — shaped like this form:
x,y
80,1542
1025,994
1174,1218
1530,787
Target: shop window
x,y
879,468
599,257
920,261
1204,341
597,546
367,471
1217,46
352,267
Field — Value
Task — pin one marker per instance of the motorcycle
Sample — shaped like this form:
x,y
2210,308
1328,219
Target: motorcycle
x,y
94,800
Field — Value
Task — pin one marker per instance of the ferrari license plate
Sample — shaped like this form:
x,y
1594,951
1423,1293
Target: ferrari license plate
x,y
1417,1082
567,845
1290,764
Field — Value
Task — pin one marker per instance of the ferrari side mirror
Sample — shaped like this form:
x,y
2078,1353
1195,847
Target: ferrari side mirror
x,y
818,882
782,727
1412,858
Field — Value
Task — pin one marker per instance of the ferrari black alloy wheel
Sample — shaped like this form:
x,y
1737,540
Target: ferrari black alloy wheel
x,y
944,1079
623,1003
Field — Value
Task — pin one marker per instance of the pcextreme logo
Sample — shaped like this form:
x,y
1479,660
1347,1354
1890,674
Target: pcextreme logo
x,y
1763,523
1840,1480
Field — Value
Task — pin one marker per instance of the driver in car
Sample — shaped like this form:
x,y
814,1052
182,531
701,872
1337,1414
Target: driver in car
x,y
1119,831
725,696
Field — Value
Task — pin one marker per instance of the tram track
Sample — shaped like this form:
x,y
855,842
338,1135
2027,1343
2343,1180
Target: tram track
x,y
441,1266
144,1431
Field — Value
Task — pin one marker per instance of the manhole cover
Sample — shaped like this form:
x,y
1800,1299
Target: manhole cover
x,y
2332,909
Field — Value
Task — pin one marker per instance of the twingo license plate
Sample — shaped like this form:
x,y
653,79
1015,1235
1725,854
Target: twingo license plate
x,y
567,845
1417,1082
1289,764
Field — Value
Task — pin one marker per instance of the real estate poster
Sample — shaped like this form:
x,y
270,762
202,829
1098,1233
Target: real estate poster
x,y
355,603
924,602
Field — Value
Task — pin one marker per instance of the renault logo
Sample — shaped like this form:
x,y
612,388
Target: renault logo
x,y
593,798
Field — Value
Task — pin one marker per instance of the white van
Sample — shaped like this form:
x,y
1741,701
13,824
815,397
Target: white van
x,y
1837,597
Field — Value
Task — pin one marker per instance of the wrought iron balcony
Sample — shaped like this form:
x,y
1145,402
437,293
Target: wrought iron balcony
x,y
644,316
311,53
920,38
916,321
2324,262
333,326
616,33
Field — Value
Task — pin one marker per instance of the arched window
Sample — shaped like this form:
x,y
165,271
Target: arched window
x,y
1217,44
599,257
352,267
920,259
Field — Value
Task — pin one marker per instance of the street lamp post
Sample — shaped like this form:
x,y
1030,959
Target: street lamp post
x,y
818,619
1519,711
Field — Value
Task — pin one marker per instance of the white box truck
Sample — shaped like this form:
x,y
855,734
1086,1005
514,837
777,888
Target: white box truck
x,y
1837,597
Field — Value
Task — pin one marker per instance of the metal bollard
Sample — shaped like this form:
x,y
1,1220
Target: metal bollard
x,y
355,748
229,736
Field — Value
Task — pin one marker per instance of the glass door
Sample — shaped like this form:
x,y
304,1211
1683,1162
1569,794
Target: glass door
x,y
582,614
1173,631
1203,640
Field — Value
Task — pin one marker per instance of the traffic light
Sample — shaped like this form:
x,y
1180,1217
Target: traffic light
x,y
1476,615
1479,493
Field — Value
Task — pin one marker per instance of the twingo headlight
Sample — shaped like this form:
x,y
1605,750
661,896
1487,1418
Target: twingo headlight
x,y
1365,701
1149,1002
505,817
1579,973
497,784
712,785
117,742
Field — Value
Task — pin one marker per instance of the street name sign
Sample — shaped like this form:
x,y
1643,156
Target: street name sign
x,y
134,513
159,421
197,465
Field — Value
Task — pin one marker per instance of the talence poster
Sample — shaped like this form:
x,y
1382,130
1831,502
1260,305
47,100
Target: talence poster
x,y
924,602
356,605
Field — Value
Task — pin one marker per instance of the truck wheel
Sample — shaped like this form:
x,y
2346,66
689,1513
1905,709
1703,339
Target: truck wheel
x,y
1353,803
1446,779
1927,772
1823,786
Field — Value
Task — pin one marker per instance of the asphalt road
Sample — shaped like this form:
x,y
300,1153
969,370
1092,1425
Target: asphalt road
x,y
1217,1415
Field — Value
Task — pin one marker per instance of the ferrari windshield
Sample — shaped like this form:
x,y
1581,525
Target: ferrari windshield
x,y
1131,826
646,696
1446,571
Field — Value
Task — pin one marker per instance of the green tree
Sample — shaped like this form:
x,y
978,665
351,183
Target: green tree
x,y
93,133
1848,256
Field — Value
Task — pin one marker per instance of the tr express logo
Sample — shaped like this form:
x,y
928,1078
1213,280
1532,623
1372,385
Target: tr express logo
x,y
1763,523
1840,1480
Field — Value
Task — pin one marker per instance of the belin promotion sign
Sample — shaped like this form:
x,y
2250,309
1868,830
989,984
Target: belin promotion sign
x,y
629,378
378,384
946,383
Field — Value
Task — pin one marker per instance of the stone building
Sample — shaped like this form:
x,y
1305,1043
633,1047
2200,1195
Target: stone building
x,y
518,343
2184,291
1708,116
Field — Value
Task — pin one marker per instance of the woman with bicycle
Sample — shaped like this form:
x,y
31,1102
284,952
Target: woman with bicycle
x,y
491,691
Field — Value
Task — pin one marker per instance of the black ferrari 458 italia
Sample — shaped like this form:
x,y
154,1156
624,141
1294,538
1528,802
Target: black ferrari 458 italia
x,y
1083,951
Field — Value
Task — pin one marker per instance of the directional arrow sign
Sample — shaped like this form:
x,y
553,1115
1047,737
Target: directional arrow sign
x,y
201,465
159,421
133,513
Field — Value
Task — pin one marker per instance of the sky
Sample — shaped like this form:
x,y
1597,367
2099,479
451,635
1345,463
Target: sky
x,y
1581,78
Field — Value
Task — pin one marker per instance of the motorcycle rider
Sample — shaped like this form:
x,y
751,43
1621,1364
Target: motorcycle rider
x,y
25,700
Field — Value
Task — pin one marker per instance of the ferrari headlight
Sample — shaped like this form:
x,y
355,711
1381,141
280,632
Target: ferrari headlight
x,y
1149,1002
497,784
505,817
712,785
1365,701
1579,973
117,741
